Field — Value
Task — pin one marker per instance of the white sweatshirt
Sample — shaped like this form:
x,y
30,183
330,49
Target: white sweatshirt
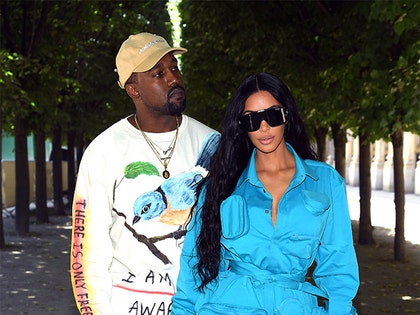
x,y
127,219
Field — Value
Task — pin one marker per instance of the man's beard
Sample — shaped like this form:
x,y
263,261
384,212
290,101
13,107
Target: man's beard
x,y
177,101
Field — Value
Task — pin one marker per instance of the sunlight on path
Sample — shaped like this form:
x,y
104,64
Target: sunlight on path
x,y
383,211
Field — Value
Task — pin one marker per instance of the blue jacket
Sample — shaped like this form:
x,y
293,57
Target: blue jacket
x,y
264,268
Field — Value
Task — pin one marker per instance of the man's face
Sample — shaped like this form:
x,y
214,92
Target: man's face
x,y
161,89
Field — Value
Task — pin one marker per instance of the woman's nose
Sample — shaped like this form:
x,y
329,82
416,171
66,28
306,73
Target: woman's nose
x,y
264,125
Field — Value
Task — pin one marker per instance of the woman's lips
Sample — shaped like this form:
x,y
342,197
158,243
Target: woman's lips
x,y
266,140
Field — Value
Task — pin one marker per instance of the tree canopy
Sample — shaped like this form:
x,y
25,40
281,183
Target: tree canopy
x,y
58,60
338,57
351,65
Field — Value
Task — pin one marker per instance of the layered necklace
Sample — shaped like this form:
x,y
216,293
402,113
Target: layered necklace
x,y
164,160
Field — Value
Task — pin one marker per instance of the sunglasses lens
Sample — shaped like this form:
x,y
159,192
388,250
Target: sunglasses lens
x,y
274,116
247,123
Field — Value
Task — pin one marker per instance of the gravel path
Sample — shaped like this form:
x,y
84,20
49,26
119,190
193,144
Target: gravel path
x,y
35,279
34,270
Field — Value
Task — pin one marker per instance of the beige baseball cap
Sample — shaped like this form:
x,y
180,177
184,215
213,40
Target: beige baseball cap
x,y
140,53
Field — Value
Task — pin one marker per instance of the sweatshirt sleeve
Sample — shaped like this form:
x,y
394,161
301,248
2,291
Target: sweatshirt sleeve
x,y
183,302
91,246
337,271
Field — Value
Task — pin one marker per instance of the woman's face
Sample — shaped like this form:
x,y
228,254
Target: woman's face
x,y
266,139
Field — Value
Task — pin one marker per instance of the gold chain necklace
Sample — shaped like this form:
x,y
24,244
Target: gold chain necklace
x,y
163,160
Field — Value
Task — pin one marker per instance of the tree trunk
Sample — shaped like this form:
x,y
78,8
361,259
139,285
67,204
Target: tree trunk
x,y
80,146
320,136
365,191
57,172
71,170
22,177
340,139
399,195
40,179
2,240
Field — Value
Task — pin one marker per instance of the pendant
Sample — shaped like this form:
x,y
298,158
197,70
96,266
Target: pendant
x,y
166,151
165,174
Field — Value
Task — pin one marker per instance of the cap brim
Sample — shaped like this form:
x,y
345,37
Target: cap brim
x,y
154,58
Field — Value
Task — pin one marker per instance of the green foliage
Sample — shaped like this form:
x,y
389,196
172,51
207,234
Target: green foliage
x,y
343,60
354,63
63,72
12,93
391,84
301,42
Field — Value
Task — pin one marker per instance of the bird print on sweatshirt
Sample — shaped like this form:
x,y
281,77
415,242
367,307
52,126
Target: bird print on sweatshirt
x,y
171,202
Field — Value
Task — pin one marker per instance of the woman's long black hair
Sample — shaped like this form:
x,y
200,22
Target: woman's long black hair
x,y
231,158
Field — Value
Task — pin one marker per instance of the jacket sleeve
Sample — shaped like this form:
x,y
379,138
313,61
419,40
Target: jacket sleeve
x,y
183,302
91,246
337,271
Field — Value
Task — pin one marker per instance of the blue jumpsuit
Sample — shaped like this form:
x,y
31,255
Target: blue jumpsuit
x,y
264,268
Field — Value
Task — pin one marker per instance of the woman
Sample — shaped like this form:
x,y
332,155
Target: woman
x,y
267,212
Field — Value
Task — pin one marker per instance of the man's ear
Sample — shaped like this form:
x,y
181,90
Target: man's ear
x,y
131,91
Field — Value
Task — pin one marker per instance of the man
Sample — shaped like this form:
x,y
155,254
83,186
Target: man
x,y
135,189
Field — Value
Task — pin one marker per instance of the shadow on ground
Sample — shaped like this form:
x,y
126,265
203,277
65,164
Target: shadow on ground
x,y
34,273
34,269
387,286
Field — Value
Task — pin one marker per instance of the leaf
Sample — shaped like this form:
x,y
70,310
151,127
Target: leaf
x,y
135,169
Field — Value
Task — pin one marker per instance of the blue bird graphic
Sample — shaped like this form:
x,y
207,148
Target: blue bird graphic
x,y
172,200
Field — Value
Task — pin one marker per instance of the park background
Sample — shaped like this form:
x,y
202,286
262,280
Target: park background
x,y
353,67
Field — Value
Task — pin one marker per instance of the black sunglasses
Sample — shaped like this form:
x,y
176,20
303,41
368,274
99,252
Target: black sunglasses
x,y
274,116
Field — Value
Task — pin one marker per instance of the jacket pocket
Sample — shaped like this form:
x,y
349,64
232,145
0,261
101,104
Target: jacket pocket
x,y
301,246
300,251
234,217
225,309
316,202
